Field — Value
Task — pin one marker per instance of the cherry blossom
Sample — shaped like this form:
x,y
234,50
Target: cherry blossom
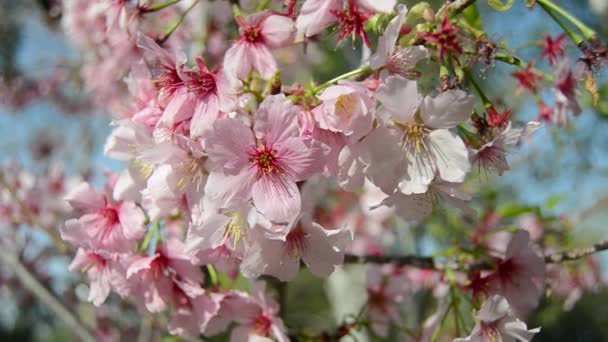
x,y
496,322
264,166
109,226
260,34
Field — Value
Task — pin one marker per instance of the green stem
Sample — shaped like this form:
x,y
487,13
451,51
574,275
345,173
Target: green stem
x,y
179,21
164,5
361,71
576,38
552,9
486,102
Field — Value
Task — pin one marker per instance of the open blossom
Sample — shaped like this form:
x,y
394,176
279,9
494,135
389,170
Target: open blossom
x,y
347,108
320,249
196,94
351,22
425,140
217,228
520,276
259,34
317,15
104,273
177,177
420,206
158,277
257,317
191,315
497,323
492,156
264,166
397,60
114,227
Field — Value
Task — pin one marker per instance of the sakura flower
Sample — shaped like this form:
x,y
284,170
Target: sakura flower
x,y
264,166
191,94
106,225
315,16
347,108
261,322
191,316
397,60
426,142
497,323
157,276
520,276
385,292
178,179
259,34
320,249
420,206
492,156
216,227
351,22
104,273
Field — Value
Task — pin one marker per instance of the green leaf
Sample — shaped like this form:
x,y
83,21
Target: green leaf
x,y
500,6
553,201
472,17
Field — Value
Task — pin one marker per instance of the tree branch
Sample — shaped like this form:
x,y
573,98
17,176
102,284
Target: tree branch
x,y
44,295
427,262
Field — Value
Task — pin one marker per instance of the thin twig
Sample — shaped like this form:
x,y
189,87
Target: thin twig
x,y
427,262
44,295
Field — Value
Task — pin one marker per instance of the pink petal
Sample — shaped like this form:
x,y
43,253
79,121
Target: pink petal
x,y
229,145
278,30
277,197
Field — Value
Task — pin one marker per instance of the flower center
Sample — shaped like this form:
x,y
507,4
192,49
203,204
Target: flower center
x,y
233,230
296,243
252,34
345,106
413,136
202,83
262,325
265,160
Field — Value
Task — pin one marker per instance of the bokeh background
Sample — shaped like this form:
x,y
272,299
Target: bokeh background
x,y
47,126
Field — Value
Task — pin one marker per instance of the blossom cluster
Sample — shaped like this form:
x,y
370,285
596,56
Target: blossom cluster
x,y
225,163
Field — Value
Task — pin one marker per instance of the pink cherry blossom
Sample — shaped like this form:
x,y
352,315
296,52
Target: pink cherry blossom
x,y
104,273
397,60
315,16
347,108
420,206
163,278
520,277
106,225
264,166
426,142
320,249
259,34
497,323
492,156
196,94
256,316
